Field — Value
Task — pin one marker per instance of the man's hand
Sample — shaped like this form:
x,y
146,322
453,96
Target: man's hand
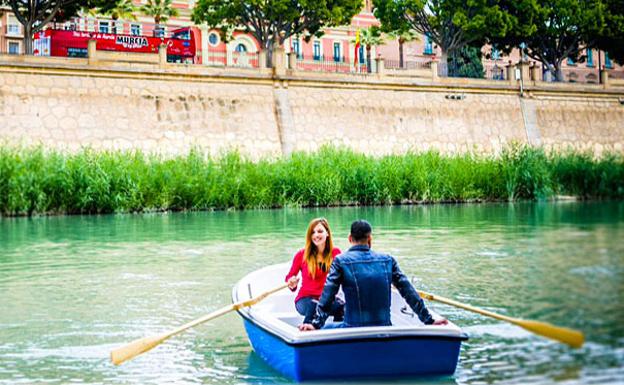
x,y
293,282
306,327
440,321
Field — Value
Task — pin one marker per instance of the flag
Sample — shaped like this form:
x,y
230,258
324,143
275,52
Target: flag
x,y
357,47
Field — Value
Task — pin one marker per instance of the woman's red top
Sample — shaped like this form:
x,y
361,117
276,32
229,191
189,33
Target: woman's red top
x,y
310,287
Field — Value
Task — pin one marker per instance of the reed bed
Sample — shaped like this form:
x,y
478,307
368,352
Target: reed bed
x,y
37,181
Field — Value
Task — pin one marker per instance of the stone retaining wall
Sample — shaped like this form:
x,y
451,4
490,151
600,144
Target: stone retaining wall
x,y
171,109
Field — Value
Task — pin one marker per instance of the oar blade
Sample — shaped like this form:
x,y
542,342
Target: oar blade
x,y
571,337
136,347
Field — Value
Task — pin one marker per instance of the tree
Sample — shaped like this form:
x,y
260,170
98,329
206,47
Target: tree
x,y
466,63
161,11
124,9
550,31
402,38
450,24
370,37
611,39
34,15
274,21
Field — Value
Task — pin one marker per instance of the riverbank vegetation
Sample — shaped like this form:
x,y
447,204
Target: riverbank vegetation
x,y
36,181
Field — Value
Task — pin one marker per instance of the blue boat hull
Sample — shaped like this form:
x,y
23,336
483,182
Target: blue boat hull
x,y
361,357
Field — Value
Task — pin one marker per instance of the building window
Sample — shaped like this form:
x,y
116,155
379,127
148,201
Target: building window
x,y
13,29
571,62
337,52
428,45
495,54
135,29
296,48
361,54
13,26
213,39
14,48
317,50
590,58
103,27
608,63
240,47
160,31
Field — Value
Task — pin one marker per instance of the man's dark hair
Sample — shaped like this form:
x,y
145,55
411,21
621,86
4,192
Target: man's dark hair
x,y
360,230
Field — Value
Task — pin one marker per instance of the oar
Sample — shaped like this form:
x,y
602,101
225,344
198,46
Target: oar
x,y
142,345
571,337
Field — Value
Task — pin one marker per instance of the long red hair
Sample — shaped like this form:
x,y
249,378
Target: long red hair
x,y
311,252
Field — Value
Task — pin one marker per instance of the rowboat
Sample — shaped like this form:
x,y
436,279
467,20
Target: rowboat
x,y
407,348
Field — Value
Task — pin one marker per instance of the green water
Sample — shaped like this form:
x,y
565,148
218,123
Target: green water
x,y
73,288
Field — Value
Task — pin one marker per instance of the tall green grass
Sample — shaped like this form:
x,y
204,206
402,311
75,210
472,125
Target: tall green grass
x,y
36,181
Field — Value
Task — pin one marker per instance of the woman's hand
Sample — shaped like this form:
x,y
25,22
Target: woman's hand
x,y
293,282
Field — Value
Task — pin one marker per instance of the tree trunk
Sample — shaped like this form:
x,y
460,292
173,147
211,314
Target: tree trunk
x,y
443,70
599,68
156,32
401,53
557,71
269,53
28,39
368,59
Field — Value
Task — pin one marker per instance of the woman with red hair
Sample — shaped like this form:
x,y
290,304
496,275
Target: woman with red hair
x,y
313,262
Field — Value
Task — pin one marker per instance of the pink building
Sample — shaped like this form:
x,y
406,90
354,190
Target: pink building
x,y
11,32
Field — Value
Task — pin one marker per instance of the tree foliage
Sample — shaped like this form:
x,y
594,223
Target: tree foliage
x,y
466,63
551,31
124,9
274,21
369,38
160,10
611,39
402,37
451,24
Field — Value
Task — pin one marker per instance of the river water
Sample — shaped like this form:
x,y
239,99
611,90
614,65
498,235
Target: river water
x,y
73,288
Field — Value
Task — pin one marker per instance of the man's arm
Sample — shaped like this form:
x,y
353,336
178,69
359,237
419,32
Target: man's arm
x,y
410,294
332,284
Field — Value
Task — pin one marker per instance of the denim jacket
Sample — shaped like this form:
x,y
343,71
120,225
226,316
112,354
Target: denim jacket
x,y
365,277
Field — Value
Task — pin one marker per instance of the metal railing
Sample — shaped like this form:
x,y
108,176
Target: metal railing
x,y
495,72
407,65
332,64
490,72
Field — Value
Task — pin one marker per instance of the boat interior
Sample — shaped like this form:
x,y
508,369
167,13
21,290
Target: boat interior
x,y
277,313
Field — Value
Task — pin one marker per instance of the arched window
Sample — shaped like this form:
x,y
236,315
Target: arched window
x,y
241,47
